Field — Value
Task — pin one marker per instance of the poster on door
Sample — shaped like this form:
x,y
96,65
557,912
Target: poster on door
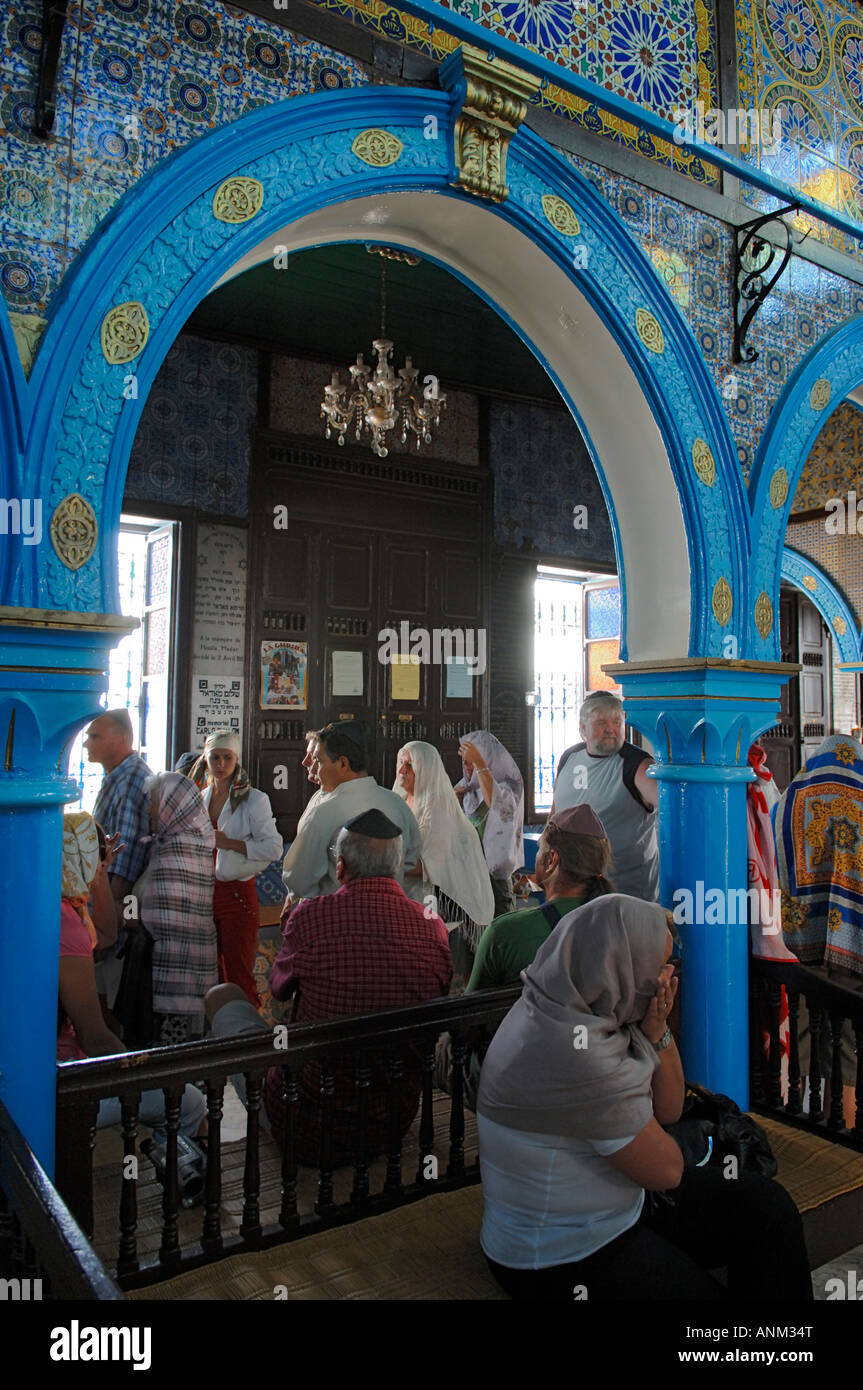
x,y
284,667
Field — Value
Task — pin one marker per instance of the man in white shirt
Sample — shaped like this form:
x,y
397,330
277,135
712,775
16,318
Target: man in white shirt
x,y
346,790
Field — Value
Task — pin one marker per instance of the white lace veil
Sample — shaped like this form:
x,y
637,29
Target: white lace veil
x,y
451,849
503,840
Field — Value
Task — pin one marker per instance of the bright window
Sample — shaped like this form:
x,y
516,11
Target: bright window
x,y
576,632
138,674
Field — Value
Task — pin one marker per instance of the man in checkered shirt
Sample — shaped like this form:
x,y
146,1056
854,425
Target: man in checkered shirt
x,y
363,948
122,804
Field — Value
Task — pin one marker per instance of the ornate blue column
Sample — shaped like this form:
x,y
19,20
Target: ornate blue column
x,y
53,669
701,714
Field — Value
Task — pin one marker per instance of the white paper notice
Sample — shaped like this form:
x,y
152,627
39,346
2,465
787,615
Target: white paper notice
x,y
217,703
459,681
218,678
347,673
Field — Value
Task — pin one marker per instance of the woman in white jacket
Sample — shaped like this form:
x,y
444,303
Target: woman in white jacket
x,y
246,842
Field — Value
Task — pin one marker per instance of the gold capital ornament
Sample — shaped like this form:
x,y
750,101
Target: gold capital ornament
x,y
494,100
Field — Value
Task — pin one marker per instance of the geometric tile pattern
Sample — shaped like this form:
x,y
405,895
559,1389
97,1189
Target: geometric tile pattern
x,y
804,63
841,557
833,468
658,54
192,444
539,508
136,80
692,255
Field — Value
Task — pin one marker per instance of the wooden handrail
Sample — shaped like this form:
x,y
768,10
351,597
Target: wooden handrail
x,y
98,1077
61,1251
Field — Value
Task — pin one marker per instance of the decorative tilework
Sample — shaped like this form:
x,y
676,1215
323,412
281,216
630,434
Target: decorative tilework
x,y
542,472
192,446
146,79
693,256
835,465
841,557
660,55
803,62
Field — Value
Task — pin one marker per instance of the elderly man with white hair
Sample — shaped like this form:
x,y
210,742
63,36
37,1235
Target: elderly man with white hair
x,y
247,841
610,775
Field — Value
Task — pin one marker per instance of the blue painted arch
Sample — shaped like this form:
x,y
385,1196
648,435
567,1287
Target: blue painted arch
x,y
832,369
163,246
831,603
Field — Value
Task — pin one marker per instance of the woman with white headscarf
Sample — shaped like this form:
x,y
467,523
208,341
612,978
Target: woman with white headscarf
x,y
452,867
575,1089
247,841
492,797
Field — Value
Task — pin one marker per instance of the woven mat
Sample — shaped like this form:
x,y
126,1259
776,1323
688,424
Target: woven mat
x,y
429,1250
811,1169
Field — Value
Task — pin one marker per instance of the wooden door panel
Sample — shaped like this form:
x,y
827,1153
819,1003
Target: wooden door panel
x,y
461,586
349,574
406,580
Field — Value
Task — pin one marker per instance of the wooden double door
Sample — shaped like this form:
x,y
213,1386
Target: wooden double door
x,y
345,550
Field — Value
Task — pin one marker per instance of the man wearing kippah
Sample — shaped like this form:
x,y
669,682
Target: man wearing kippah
x,y
363,948
572,861
346,791
610,774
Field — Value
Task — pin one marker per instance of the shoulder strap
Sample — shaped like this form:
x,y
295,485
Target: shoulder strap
x,y
566,755
632,759
552,914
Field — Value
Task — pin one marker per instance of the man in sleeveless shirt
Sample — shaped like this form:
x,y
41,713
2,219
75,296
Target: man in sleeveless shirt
x,y
611,775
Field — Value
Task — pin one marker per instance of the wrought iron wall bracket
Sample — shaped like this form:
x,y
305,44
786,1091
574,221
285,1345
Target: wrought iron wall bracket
x,y
53,21
754,257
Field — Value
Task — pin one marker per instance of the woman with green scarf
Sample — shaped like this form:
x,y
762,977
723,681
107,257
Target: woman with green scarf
x,y
246,842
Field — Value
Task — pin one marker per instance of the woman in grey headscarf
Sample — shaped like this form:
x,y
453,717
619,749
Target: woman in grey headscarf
x,y
578,1081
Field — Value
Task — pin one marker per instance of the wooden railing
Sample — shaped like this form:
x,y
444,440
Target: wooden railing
x,y
394,1034
44,1254
830,1007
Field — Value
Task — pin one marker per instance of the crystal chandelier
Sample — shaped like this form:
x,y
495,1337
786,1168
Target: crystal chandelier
x,y
378,398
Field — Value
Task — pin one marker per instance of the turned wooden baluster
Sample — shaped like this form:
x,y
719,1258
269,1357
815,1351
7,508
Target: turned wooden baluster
x,y
837,1117
857,1131
324,1204
455,1167
250,1226
816,1112
360,1191
774,1061
794,1105
169,1250
211,1238
288,1215
127,1261
393,1181
427,1118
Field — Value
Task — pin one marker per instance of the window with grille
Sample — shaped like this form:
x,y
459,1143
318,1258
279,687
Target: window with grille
x,y
576,632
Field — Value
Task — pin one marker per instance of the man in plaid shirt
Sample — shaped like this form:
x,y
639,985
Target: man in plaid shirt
x,y
363,948
122,804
